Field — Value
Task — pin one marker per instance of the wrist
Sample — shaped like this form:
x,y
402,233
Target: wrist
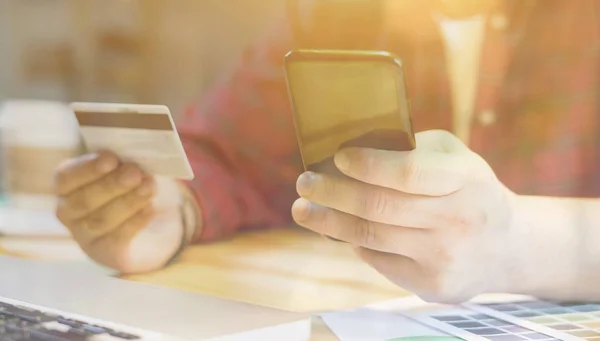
x,y
547,246
191,222
191,214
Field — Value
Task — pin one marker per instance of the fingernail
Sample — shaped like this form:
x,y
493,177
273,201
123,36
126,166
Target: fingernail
x,y
301,210
306,182
146,188
106,164
130,176
342,160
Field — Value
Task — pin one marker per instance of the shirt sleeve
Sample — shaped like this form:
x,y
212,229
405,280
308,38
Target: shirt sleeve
x,y
240,139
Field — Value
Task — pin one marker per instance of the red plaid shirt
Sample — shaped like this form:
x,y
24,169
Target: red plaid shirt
x,y
537,123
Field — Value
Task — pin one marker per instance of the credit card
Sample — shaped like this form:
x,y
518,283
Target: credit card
x,y
142,134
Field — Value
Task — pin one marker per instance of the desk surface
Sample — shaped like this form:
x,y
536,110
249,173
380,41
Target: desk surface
x,y
287,268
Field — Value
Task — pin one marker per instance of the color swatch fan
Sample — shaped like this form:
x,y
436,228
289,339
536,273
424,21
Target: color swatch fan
x,y
473,326
566,321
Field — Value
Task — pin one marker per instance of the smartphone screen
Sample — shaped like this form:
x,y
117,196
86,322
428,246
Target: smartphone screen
x,y
347,98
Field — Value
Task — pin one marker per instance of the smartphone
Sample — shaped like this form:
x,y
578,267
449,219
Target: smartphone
x,y
347,98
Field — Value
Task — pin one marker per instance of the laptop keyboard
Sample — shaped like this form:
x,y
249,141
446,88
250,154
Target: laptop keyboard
x,y
19,323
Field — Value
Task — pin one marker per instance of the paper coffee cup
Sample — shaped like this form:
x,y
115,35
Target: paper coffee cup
x,y
38,136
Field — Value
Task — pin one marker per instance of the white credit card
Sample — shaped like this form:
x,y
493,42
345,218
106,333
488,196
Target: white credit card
x,y
143,134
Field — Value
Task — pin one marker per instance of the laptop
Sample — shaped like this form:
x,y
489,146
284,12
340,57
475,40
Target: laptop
x,y
49,302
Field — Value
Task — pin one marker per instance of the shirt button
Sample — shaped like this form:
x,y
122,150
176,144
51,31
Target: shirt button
x,y
486,117
499,22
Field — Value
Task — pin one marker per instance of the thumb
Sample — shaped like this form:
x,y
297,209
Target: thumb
x,y
439,141
440,165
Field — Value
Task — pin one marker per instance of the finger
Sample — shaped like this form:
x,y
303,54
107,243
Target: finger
x,y
438,140
416,172
76,173
378,204
112,249
360,232
117,212
92,197
441,164
400,270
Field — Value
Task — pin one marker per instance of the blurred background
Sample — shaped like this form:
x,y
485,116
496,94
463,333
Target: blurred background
x,y
127,51
139,51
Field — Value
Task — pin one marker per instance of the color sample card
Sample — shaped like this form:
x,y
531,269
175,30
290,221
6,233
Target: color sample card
x,y
474,326
567,321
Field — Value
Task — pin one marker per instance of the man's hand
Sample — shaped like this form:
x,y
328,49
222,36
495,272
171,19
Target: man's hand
x,y
121,217
435,221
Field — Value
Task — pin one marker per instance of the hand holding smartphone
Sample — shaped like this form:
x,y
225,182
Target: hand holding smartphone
x,y
347,99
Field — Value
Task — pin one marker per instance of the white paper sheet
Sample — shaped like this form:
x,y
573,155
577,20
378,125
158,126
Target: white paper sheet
x,y
382,322
372,325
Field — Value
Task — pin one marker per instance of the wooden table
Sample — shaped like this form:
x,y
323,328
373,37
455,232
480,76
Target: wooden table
x,y
288,268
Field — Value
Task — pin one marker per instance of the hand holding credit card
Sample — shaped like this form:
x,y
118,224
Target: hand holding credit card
x,y
142,134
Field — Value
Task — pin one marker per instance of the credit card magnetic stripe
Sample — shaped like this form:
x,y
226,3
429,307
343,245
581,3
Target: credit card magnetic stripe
x,y
124,120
